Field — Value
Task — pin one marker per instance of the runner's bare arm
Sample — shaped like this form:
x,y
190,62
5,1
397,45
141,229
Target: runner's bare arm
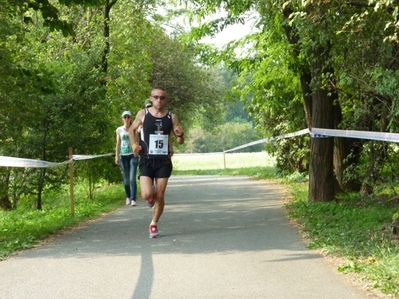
x,y
177,129
133,135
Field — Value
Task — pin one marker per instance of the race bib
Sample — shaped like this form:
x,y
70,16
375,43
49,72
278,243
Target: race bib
x,y
159,144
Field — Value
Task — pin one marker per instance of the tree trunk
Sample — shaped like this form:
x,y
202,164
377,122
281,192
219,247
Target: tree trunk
x,y
306,78
321,178
5,202
346,153
319,113
40,188
305,74
106,32
376,162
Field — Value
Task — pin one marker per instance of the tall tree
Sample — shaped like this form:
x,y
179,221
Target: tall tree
x,y
319,38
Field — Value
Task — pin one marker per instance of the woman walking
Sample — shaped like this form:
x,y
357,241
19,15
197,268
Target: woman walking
x,y
125,158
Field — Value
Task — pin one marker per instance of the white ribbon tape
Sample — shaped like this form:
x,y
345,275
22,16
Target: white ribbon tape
x,y
85,157
21,162
266,140
382,136
314,133
248,144
31,163
289,135
326,133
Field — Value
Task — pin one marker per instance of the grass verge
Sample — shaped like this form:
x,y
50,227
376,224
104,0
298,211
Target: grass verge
x,y
356,230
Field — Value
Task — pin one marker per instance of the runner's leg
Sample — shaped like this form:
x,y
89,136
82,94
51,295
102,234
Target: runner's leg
x,y
159,198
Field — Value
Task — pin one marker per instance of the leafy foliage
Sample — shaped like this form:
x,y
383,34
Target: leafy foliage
x,y
56,93
300,50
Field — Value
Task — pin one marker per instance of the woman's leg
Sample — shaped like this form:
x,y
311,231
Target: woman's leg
x,y
125,166
132,178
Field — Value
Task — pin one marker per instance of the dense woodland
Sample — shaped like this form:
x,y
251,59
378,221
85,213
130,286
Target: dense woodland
x,y
68,69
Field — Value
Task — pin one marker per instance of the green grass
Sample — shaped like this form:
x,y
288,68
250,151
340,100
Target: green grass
x,y
348,229
219,161
257,165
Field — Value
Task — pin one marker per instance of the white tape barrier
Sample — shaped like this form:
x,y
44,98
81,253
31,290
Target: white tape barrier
x,y
326,133
85,157
382,136
314,133
21,162
289,135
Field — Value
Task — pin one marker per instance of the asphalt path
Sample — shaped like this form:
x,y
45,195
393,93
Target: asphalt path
x,y
221,237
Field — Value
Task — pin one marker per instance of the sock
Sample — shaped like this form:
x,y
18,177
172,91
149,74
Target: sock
x,y
153,222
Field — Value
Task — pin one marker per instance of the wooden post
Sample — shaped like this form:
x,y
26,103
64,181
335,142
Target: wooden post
x,y
224,160
71,195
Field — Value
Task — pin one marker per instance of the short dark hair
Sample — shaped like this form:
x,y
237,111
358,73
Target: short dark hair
x,y
159,88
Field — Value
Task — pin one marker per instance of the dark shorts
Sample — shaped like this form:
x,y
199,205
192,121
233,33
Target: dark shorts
x,y
155,167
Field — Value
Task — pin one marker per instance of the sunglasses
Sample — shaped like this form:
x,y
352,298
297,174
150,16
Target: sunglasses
x,y
159,97
126,116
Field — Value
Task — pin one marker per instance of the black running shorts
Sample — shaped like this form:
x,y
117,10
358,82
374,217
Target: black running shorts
x,y
155,167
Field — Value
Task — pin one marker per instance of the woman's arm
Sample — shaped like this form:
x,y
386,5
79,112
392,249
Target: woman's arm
x,y
117,148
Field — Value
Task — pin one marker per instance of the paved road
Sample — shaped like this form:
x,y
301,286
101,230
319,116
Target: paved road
x,y
222,237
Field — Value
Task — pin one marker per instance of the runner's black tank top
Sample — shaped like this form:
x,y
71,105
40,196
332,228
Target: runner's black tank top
x,y
156,126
